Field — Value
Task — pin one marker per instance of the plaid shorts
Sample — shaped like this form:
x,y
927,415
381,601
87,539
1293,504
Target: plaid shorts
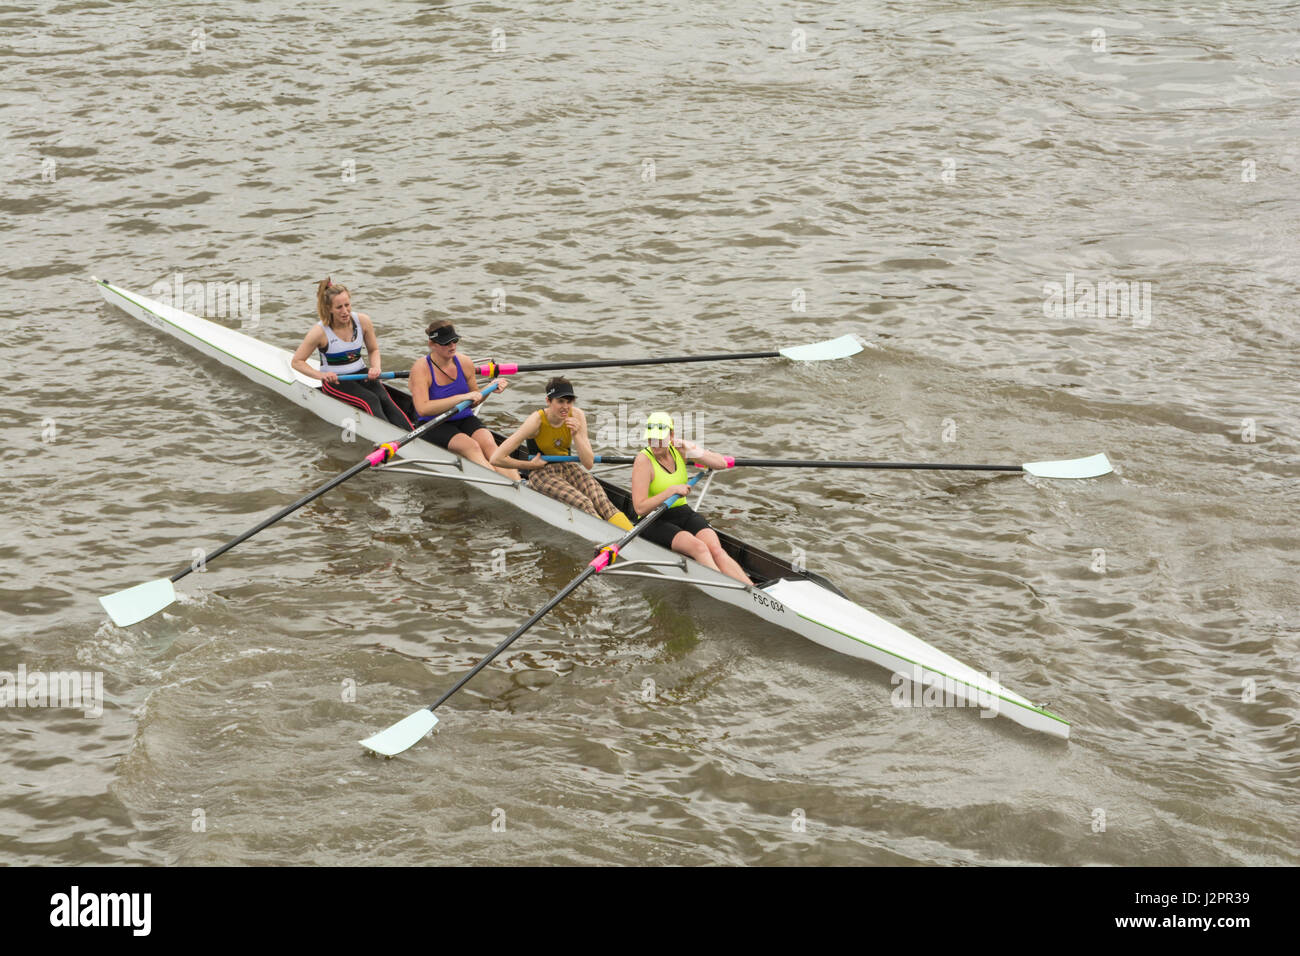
x,y
569,482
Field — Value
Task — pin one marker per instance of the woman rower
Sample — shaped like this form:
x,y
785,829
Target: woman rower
x,y
658,473
442,380
338,336
556,430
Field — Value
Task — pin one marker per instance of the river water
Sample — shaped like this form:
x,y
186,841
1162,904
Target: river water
x,y
582,180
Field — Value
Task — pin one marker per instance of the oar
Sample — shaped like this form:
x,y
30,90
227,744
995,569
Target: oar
x,y
842,347
362,376
408,731
1092,467
145,600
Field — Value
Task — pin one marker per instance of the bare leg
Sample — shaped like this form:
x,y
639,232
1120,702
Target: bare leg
x,y
487,446
688,544
724,562
466,447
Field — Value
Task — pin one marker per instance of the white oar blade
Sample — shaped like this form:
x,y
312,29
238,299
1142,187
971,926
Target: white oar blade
x,y
403,735
135,604
1093,467
842,347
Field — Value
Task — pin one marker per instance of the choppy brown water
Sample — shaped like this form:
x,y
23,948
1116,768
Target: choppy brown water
x,y
1168,158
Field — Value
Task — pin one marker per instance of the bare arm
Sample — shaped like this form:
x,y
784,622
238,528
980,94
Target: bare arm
x,y
580,440
312,341
372,344
641,474
467,367
700,454
425,407
529,429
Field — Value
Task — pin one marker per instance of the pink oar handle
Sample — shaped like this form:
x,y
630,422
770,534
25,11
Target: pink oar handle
x,y
382,454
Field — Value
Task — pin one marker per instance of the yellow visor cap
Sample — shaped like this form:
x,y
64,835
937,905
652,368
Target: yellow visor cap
x,y
658,425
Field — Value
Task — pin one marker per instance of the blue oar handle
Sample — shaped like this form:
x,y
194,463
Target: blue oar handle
x,y
361,376
469,402
690,483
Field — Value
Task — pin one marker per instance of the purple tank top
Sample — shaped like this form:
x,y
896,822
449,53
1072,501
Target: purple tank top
x,y
458,387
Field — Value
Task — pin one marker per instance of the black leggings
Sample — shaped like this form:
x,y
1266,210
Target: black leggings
x,y
369,397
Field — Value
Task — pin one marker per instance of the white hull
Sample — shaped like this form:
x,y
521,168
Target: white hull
x,y
799,605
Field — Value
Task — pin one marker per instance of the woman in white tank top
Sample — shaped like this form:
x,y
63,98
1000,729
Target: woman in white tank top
x,y
339,337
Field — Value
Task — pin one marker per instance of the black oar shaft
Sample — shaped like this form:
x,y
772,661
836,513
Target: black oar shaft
x,y
569,589
814,463
286,510
612,363
915,466
334,482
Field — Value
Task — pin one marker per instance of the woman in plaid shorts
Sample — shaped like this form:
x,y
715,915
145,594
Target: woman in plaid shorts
x,y
560,429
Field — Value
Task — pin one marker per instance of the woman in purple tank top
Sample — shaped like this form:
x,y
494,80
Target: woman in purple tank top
x,y
442,380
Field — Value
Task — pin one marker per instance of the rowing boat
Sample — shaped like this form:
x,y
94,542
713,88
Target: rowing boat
x,y
792,598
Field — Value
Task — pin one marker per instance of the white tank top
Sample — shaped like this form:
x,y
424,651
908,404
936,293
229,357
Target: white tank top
x,y
340,357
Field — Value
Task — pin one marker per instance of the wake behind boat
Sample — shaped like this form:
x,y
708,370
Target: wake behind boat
x,y
794,599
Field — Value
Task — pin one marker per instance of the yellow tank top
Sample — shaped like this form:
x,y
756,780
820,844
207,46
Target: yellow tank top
x,y
551,440
665,479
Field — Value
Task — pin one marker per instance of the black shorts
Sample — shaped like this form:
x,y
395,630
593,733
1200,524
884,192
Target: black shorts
x,y
441,435
672,521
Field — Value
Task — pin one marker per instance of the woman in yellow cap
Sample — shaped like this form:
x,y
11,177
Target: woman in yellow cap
x,y
658,473
558,429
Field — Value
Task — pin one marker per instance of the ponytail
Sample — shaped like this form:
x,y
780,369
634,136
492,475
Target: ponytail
x,y
326,290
